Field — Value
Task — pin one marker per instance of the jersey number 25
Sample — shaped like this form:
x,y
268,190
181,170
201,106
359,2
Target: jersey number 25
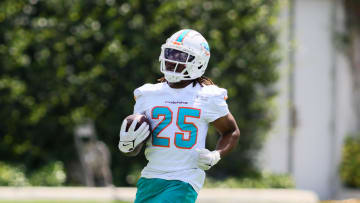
x,y
181,123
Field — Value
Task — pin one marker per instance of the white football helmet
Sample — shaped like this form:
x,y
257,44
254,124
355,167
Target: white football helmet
x,y
189,48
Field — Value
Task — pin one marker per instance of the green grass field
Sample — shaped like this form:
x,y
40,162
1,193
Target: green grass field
x,y
59,201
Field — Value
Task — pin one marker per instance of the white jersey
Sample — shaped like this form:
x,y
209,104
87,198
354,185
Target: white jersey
x,y
179,120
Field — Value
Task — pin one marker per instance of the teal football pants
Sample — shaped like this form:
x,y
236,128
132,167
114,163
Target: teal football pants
x,y
155,190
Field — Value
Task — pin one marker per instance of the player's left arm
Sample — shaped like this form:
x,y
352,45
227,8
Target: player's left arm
x,y
229,136
229,133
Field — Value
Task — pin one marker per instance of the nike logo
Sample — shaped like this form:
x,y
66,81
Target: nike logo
x,y
124,145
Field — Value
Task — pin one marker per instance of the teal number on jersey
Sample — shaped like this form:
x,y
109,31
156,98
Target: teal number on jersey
x,y
167,119
186,127
183,125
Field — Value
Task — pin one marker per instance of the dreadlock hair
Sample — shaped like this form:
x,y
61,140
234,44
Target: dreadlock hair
x,y
201,80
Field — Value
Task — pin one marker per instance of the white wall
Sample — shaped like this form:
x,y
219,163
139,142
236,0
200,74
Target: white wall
x,y
322,98
313,95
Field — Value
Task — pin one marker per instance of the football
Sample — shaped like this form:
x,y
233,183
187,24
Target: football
x,y
141,119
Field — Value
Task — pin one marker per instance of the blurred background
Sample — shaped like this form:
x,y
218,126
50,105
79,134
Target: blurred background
x,y
68,69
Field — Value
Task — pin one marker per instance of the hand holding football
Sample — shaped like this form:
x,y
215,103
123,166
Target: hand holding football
x,y
140,120
135,129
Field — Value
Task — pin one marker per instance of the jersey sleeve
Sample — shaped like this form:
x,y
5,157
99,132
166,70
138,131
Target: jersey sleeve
x,y
140,103
143,95
217,106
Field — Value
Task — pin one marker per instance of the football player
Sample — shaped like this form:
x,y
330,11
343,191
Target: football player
x,y
180,107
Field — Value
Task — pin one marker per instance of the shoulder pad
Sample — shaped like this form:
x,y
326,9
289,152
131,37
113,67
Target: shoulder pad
x,y
213,91
147,89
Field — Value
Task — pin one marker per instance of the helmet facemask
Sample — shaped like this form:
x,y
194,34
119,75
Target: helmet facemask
x,y
179,63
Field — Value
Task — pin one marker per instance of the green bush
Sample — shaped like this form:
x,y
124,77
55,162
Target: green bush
x,y
350,164
263,180
64,61
12,175
52,174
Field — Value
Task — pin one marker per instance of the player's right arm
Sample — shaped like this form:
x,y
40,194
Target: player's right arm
x,y
135,152
131,139
139,108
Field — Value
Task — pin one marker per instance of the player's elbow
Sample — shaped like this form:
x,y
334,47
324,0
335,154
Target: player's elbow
x,y
236,134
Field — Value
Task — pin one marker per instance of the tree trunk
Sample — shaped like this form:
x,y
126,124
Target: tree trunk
x,y
353,25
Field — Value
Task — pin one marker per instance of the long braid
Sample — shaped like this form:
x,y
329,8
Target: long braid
x,y
162,79
201,80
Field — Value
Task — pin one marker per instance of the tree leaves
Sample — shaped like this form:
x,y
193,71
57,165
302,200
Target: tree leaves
x,y
65,61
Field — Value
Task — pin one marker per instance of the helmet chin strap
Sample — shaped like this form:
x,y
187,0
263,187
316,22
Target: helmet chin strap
x,y
172,79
